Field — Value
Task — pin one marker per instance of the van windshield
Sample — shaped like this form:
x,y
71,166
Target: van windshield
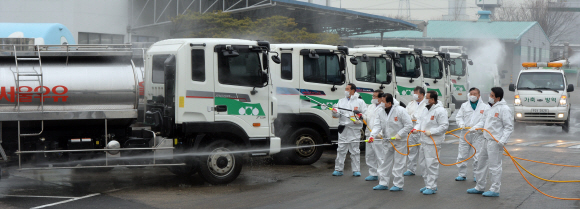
x,y
541,80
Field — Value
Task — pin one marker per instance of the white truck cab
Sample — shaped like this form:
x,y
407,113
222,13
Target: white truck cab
x,y
372,69
459,77
436,77
541,95
310,78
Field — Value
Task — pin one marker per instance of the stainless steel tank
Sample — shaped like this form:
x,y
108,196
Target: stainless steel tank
x,y
78,83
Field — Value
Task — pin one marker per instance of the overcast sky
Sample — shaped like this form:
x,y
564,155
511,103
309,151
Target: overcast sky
x,y
420,9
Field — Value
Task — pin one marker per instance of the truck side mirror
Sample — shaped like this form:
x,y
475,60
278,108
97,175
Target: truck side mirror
x,y
470,62
265,79
353,61
365,58
570,88
513,87
276,59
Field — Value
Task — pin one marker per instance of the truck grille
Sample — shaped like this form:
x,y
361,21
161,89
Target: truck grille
x,y
540,115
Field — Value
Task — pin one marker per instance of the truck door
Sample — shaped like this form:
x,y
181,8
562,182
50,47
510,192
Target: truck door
x,y
241,96
459,76
196,89
434,77
376,74
321,81
408,76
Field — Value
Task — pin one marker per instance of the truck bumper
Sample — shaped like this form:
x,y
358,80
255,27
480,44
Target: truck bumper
x,y
555,115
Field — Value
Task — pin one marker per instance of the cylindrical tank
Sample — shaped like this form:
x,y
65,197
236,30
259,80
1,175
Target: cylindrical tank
x,y
81,86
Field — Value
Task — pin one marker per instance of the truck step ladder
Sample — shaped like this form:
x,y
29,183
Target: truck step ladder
x,y
20,77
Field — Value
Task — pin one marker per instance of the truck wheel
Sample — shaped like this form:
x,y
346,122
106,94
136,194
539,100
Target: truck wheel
x,y
566,125
305,138
184,171
220,165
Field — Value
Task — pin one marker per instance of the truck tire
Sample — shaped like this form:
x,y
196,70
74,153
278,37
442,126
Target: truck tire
x,y
184,171
304,137
566,125
219,165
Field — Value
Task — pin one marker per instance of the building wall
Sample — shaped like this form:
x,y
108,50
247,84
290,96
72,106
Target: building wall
x,y
88,16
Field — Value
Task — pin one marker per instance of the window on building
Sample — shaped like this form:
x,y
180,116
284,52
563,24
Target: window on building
x,y
136,38
286,73
197,65
100,38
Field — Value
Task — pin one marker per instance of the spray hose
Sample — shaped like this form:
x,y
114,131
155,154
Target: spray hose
x,y
518,165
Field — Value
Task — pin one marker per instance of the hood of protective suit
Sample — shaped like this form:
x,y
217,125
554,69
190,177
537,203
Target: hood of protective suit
x,y
355,95
501,102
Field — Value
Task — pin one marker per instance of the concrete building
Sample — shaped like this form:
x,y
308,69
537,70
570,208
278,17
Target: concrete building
x,y
521,41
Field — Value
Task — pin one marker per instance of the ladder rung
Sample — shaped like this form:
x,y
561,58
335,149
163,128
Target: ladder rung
x,y
27,59
29,80
30,74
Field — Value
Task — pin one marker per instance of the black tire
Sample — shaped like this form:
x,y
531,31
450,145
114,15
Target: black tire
x,y
185,171
566,125
219,166
304,137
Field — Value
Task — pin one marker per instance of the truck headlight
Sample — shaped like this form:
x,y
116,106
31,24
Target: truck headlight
x,y
560,115
563,101
517,100
518,115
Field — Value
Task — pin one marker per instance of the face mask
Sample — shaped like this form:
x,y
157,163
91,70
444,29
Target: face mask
x,y
415,97
472,98
491,100
347,93
382,105
374,101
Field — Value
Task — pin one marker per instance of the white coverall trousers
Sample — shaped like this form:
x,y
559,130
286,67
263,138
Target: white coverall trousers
x,y
393,161
413,151
428,159
489,160
465,151
374,157
343,148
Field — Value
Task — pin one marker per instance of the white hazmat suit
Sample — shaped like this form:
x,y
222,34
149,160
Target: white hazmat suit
x,y
374,152
468,117
499,121
435,122
413,110
351,132
397,123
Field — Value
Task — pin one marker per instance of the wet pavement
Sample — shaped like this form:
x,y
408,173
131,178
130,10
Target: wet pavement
x,y
263,184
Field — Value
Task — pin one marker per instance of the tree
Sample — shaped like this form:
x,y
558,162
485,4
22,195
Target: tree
x,y
276,29
558,25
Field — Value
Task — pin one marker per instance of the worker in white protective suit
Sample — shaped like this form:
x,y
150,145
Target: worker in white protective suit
x,y
394,124
413,108
374,152
499,121
348,131
433,120
470,113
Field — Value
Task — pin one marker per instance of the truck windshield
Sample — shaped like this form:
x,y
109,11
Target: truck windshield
x,y
325,69
457,69
541,80
242,70
432,69
374,71
408,65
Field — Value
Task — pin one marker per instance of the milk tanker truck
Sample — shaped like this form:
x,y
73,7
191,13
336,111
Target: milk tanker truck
x,y
207,104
